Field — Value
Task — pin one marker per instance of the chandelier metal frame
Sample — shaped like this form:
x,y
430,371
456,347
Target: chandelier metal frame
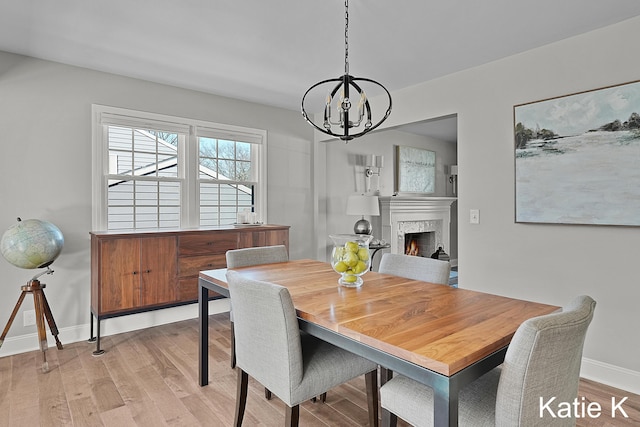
x,y
345,83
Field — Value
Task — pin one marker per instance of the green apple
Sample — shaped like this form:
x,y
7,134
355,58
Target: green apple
x,y
359,267
350,278
351,259
363,254
351,246
341,267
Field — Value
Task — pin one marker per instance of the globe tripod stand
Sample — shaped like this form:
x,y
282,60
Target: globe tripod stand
x,y
43,311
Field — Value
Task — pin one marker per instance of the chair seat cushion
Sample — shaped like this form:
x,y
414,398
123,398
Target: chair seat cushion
x,y
413,402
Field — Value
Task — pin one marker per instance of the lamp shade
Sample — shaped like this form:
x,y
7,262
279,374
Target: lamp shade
x,y
363,205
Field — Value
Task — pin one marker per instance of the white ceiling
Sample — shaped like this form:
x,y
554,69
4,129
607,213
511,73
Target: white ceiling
x,y
271,51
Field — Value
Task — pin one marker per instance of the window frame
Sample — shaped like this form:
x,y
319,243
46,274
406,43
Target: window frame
x,y
188,158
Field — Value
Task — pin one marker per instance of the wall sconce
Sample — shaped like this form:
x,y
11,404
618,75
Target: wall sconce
x,y
453,178
373,162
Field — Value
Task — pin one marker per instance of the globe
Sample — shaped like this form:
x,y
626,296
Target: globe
x,y
31,243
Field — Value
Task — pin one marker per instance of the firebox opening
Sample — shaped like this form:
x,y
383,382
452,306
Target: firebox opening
x,y
420,244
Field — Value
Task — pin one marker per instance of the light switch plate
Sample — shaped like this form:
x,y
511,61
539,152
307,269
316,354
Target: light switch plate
x,y
474,216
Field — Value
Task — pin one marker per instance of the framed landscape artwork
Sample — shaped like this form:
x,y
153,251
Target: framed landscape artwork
x,y
577,158
415,170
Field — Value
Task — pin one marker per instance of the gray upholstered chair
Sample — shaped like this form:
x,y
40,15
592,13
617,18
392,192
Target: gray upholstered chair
x,y
542,362
416,268
252,256
271,349
256,256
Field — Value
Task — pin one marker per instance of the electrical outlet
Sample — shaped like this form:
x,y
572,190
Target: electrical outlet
x,y
474,216
29,317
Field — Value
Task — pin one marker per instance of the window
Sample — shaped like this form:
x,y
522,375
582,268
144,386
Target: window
x,y
161,172
225,182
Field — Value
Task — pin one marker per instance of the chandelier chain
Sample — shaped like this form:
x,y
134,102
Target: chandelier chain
x,y
346,36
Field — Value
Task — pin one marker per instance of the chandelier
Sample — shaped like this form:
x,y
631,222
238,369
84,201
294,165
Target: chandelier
x,y
348,124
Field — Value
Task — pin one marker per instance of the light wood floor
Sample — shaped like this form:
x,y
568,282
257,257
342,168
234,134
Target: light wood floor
x,y
149,378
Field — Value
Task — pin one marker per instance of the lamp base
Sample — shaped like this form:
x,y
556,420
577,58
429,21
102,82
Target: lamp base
x,y
362,226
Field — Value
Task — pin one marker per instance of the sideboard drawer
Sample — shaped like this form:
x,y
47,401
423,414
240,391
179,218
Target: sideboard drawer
x,y
207,243
192,265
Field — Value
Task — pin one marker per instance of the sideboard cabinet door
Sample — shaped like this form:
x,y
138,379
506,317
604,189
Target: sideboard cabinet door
x,y
119,274
137,272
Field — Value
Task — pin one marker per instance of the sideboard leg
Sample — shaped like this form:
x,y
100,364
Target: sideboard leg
x,y
98,351
92,338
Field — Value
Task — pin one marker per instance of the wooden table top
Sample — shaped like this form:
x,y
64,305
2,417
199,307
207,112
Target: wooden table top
x,y
441,328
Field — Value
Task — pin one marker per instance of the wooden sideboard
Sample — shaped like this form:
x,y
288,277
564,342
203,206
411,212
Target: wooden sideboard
x,y
137,271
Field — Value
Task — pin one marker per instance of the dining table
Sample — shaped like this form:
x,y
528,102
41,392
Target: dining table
x,y
438,335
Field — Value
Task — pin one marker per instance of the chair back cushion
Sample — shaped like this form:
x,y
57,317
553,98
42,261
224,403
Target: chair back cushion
x,y
416,268
267,334
543,362
256,256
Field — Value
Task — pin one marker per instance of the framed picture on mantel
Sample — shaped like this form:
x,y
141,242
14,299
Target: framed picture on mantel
x,y
415,170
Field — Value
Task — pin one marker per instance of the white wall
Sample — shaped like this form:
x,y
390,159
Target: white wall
x,y
45,173
545,263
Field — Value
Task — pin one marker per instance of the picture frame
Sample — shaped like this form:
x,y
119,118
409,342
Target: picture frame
x,y
576,158
415,170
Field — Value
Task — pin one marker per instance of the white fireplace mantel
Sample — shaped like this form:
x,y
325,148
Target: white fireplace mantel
x,y
399,213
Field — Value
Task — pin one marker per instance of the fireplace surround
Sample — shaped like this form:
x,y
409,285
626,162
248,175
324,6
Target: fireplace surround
x,y
401,215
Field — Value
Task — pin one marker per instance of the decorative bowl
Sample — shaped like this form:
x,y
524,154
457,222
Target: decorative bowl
x,y
350,258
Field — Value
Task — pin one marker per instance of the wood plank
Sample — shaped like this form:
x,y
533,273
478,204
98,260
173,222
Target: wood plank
x,y
53,403
84,412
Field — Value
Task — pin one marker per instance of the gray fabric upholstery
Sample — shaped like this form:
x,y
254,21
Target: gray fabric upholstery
x,y
270,349
416,268
413,402
256,256
543,360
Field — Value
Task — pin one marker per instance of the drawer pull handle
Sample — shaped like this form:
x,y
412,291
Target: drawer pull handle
x,y
135,272
148,271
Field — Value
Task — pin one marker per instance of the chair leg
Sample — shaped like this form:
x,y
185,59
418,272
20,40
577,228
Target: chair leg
x,y
292,416
322,397
241,397
389,419
267,393
233,348
371,381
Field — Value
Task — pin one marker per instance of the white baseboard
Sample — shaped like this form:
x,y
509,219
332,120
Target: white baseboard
x,y
612,375
116,325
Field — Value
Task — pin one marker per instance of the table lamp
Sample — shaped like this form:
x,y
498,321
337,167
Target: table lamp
x,y
362,205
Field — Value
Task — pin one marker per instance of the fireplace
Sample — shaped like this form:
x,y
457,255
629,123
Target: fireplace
x,y
425,219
